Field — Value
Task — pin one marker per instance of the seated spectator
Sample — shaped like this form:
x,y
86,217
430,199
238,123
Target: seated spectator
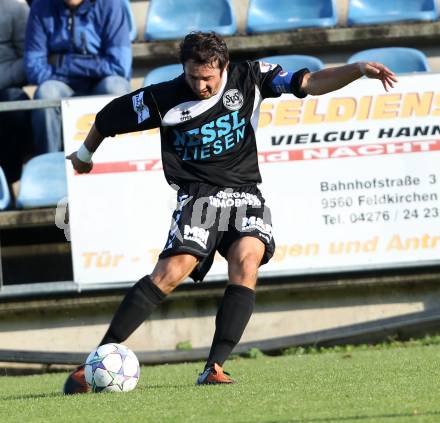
x,y
15,133
74,47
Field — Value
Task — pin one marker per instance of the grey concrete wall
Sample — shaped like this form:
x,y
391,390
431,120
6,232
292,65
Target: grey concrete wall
x,y
330,56
78,324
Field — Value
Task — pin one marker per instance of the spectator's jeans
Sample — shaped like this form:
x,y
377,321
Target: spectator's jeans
x,y
15,135
47,122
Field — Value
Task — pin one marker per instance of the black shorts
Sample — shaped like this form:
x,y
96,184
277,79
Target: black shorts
x,y
209,219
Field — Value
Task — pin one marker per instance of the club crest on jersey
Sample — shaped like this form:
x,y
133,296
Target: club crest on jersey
x,y
233,99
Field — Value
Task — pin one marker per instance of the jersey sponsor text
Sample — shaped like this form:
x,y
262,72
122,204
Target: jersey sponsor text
x,y
211,139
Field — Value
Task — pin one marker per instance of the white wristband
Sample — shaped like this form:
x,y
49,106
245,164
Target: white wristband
x,y
361,66
84,154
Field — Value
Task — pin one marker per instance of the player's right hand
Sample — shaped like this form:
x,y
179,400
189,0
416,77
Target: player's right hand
x,y
79,165
379,71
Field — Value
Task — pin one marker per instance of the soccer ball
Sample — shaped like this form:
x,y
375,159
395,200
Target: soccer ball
x,y
112,368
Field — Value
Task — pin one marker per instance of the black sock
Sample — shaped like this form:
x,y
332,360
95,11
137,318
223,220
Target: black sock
x,y
232,317
135,308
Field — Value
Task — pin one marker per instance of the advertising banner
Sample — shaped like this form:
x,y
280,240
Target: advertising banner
x,y
352,179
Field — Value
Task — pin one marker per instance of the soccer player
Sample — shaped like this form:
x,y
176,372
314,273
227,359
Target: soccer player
x,y
207,118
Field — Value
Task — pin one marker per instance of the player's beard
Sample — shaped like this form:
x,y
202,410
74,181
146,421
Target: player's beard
x,y
208,93
205,95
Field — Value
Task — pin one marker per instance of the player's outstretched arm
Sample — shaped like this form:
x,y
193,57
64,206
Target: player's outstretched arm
x,y
136,111
82,159
331,79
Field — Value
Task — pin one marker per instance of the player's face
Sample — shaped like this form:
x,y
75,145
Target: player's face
x,y
204,80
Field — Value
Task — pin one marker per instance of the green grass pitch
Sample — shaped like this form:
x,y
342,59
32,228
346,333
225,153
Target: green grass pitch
x,y
364,385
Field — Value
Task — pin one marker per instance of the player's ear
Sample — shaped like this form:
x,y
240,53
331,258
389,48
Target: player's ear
x,y
225,68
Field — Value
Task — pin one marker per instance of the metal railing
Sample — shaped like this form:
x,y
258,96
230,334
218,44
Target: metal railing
x,y
10,106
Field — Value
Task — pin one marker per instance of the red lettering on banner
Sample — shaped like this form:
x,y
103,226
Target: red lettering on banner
x,y
352,151
288,155
128,166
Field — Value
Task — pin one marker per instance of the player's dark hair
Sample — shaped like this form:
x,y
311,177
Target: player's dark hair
x,y
204,48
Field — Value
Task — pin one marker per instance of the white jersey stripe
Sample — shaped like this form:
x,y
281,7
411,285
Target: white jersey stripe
x,y
256,109
191,109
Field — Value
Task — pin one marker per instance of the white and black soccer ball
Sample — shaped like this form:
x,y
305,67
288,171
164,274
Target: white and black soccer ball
x,y
112,368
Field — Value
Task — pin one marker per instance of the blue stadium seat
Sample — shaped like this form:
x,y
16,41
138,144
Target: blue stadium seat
x,y
283,15
398,59
43,182
131,20
171,19
293,62
5,197
162,73
370,12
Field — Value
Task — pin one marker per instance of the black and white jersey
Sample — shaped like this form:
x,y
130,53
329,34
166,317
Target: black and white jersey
x,y
210,140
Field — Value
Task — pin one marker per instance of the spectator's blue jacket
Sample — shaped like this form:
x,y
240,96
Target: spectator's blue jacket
x,y
91,42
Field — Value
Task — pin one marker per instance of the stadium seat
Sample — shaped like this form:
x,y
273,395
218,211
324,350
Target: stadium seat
x,y
162,73
5,197
293,62
370,12
43,182
398,59
171,19
131,20
283,15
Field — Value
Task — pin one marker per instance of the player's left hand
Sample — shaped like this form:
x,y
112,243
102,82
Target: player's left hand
x,y
379,71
